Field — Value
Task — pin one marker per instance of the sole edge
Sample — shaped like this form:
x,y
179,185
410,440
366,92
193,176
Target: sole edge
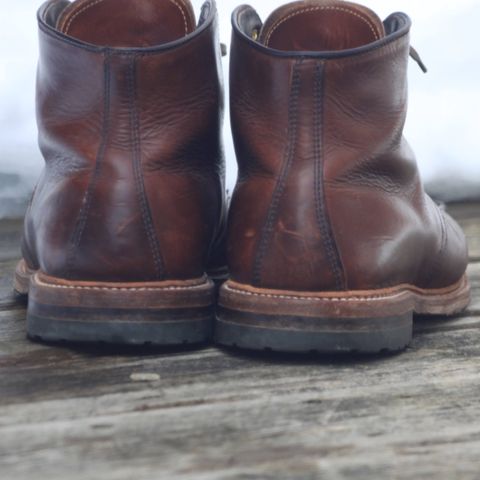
x,y
330,322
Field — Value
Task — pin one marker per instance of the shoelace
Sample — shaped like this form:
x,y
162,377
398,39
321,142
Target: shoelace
x,y
416,56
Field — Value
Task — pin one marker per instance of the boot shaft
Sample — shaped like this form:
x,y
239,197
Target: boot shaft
x,y
329,196
130,108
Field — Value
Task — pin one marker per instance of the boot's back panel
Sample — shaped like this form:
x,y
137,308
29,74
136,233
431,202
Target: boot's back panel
x,y
333,243
129,214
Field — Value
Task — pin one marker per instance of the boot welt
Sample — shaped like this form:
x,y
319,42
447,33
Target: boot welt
x,y
150,313
330,322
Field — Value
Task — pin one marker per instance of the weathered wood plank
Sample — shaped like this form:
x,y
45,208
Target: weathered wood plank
x,y
24,365
474,276
7,297
468,215
222,416
83,412
10,236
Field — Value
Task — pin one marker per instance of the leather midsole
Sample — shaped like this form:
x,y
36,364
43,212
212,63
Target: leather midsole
x,y
372,303
46,290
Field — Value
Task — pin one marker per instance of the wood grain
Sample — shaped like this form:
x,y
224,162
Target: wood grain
x,y
71,413
468,215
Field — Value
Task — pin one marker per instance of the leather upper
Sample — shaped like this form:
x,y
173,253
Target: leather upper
x,y
133,186
329,195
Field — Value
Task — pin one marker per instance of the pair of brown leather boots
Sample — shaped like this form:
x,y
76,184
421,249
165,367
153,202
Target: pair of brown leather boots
x,y
331,243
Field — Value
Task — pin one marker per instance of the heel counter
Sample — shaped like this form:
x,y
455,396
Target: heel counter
x,y
113,238
280,221
295,251
129,152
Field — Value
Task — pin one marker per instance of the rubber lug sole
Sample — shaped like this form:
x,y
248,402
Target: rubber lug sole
x,y
331,322
155,313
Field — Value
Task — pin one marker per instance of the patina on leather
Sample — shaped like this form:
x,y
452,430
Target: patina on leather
x,y
130,105
329,196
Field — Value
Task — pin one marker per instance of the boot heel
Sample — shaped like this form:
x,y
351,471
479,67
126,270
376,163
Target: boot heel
x,y
163,314
325,335
329,322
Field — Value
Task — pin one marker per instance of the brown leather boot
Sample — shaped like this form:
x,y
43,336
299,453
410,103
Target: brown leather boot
x,y
128,216
333,244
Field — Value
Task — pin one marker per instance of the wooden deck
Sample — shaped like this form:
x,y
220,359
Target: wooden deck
x,y
103,413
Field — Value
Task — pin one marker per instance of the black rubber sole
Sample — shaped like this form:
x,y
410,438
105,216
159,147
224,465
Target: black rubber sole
x,y
168,334
168,328
251,332
161,314
367,321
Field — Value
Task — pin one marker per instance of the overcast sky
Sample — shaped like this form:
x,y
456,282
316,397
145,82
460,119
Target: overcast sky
x,y
444,118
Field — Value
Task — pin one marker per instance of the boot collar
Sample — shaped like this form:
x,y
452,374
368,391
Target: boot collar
x,y
49,13
247,25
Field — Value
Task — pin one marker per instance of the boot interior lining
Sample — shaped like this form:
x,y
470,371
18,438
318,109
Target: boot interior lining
x,y
321,29
123,23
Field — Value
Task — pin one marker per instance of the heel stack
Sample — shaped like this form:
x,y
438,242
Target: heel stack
x,y
329,322
158,313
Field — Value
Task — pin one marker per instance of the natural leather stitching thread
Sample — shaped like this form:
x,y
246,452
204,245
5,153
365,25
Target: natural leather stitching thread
x,y
183,14
326,299
388,46
47,10
280,187
120,289
315,9
96,2
319,186
87,200
147,51
76,14
140,185
406,289
164,289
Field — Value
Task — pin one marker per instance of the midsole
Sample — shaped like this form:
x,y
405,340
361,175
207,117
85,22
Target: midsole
x,y
153,295
119,315
313,324
65,294
351,304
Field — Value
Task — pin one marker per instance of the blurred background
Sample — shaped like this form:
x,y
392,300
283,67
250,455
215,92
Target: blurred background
x,y
443,123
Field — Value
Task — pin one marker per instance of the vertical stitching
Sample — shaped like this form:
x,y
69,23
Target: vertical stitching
x,y
138,173
88,197
182,11
81,11
287,163
47,10
319,182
